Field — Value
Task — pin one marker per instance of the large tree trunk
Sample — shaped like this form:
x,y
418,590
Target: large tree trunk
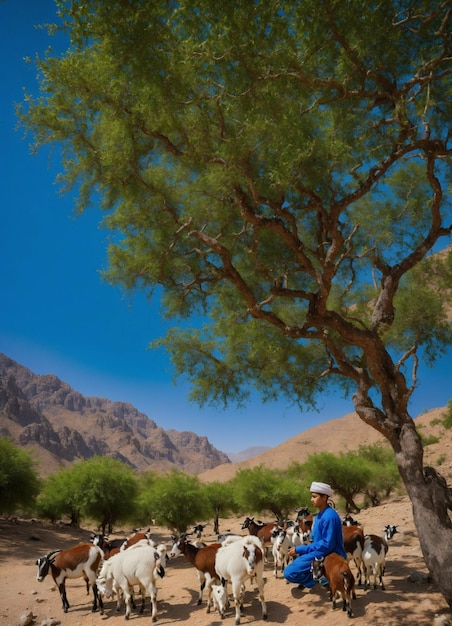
x,y
430,499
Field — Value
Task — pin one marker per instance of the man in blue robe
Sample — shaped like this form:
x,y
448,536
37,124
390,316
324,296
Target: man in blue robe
x,y
327,538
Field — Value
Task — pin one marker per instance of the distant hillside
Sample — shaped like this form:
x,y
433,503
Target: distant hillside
x,y
59,425
237,457
339,435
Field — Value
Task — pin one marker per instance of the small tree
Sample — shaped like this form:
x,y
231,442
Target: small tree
x,y
220,500
106,490
60,496
19,481
344,472
262,489
383,474
176,501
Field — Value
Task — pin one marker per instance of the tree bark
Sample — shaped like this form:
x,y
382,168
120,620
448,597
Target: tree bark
x,y
431,499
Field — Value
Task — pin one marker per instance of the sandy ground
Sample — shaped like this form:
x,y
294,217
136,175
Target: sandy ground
x,y
403,602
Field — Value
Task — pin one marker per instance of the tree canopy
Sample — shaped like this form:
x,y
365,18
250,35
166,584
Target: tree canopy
x,y
276,166
281,169
19,480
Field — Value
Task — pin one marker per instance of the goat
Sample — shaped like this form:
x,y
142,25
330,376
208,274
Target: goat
x,y
138,566
353,537
108,546
220,598
296,536
280,549
262,530
204,561
136,537
374,556
198,530
340,579
348,520
82,560
305,521
238,562
226,538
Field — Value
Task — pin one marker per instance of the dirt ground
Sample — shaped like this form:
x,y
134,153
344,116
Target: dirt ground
x,y
403,601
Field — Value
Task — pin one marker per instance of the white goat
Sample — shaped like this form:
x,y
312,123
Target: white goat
x,y
138,566
238,562
280,550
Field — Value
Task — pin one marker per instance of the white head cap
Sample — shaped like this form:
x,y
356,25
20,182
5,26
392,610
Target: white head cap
x,y
321,488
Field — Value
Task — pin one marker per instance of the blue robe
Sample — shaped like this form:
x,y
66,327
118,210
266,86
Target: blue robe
x,y
327,537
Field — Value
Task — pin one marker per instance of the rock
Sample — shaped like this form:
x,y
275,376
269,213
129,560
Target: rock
x,y
50,621
26,618
419,577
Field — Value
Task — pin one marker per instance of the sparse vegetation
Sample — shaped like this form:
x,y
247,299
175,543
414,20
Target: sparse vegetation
x,y
429,440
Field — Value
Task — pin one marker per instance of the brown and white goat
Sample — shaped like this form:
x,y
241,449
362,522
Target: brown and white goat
x,y
374,556
340,579
305,520
80,561
138,537
262,530
353,537
204,561
108,546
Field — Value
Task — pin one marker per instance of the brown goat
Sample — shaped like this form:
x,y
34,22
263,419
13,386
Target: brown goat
x,y
340,579
80,561
204,561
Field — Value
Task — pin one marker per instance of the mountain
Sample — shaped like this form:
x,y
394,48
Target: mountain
x,y
59,425
248,453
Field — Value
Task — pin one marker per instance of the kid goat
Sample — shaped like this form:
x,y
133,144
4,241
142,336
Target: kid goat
x,y
340,579
80,561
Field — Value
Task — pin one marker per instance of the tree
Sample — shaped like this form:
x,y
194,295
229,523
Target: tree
x,y
19,481
384,477
344,472
370,471
60,496
280,168
262,489
106,490
220,499
176,500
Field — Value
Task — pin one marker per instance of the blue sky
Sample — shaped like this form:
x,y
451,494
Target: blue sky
x,y
58,316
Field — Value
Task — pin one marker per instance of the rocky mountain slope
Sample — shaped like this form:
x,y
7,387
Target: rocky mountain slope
x,y
59,425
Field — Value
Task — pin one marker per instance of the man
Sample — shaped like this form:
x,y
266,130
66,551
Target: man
x,y
327,538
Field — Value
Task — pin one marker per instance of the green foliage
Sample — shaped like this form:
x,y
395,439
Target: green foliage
x,y
101,489
260,490
428,440
370,471
220,501
176,500
106,490
59,497
228,168
19,481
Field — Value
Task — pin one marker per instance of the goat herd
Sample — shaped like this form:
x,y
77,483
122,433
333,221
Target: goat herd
x,y
115,567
